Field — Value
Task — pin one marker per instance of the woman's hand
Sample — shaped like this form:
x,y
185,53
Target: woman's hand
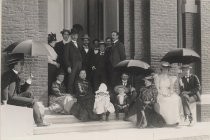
x,y
69,69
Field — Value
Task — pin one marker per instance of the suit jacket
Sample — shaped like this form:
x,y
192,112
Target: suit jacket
x,y
59,49
11,88
117,53
72,55
193,85
86,57
98,60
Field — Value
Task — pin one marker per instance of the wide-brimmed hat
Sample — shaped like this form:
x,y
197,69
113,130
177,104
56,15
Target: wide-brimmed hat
x,y
73,31
14,58
85,36
165,64
102,88
51,37
186,67
116,89
65,30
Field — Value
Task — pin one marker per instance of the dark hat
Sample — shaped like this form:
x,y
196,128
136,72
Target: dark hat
x,y
165,64
14,58
186,67
60,72
85,36
65,30
73,31
51,37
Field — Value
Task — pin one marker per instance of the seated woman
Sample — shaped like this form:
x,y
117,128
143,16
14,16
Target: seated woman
x,y
168,101
59,101
83,109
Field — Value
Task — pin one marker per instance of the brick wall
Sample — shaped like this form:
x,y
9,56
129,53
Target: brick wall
x,y
21,20
205,63
163,29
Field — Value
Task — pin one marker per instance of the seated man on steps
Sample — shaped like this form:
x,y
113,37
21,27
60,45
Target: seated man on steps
x,y
190,91
16,94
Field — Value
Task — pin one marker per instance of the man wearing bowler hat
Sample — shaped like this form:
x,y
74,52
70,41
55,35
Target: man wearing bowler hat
x,y
73,60
190,90
86,52
59,47
14,93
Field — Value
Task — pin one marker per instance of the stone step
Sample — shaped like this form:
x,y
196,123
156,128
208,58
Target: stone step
x,y
82,127
68,119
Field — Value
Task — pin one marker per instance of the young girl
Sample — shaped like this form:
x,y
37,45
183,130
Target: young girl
x,y
102,105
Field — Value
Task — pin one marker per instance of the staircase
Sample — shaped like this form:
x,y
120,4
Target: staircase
x,y
68,123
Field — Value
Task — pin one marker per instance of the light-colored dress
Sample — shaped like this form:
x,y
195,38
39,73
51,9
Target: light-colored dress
x,y
168,101
102,103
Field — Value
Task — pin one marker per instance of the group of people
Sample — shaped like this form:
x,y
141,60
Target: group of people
x,y
82,82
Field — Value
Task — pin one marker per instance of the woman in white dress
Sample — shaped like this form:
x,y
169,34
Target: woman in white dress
x,y
168,101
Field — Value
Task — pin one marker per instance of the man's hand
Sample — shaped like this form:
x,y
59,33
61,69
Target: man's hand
x,y
69,70
132,89
186,92
93,67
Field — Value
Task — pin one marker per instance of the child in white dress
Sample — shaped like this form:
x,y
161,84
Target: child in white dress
x,y
102,105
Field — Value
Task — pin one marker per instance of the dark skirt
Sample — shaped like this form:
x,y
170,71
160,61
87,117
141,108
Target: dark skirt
x,y
83,109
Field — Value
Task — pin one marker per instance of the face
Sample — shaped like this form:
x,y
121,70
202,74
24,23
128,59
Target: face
x,y
124,77
66,36
86,42
19,66
82,74
108,42
121,90
147,82
102,47
74,37
114,36
165,69
186,72
60,77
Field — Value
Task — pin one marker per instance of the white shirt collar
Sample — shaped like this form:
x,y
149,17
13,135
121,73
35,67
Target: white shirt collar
x,y
16,72
59,82
115,41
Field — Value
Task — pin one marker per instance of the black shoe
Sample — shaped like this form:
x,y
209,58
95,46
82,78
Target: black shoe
x,y
42,124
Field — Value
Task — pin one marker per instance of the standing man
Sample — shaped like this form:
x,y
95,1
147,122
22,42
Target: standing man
x,y
117,54
86,52
98,66
14,93
59,48
190,90
73,60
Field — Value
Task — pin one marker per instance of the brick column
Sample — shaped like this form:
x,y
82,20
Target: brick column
x,y
163,29
142,29
205,63
22,20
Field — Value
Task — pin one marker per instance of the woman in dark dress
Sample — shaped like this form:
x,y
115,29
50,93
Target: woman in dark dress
x,y
83,109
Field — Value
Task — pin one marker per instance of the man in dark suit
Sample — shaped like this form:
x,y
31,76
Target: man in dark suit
x,y
59,48
190,90
117,54
86,52
14,93
131,92
73,60
98,66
